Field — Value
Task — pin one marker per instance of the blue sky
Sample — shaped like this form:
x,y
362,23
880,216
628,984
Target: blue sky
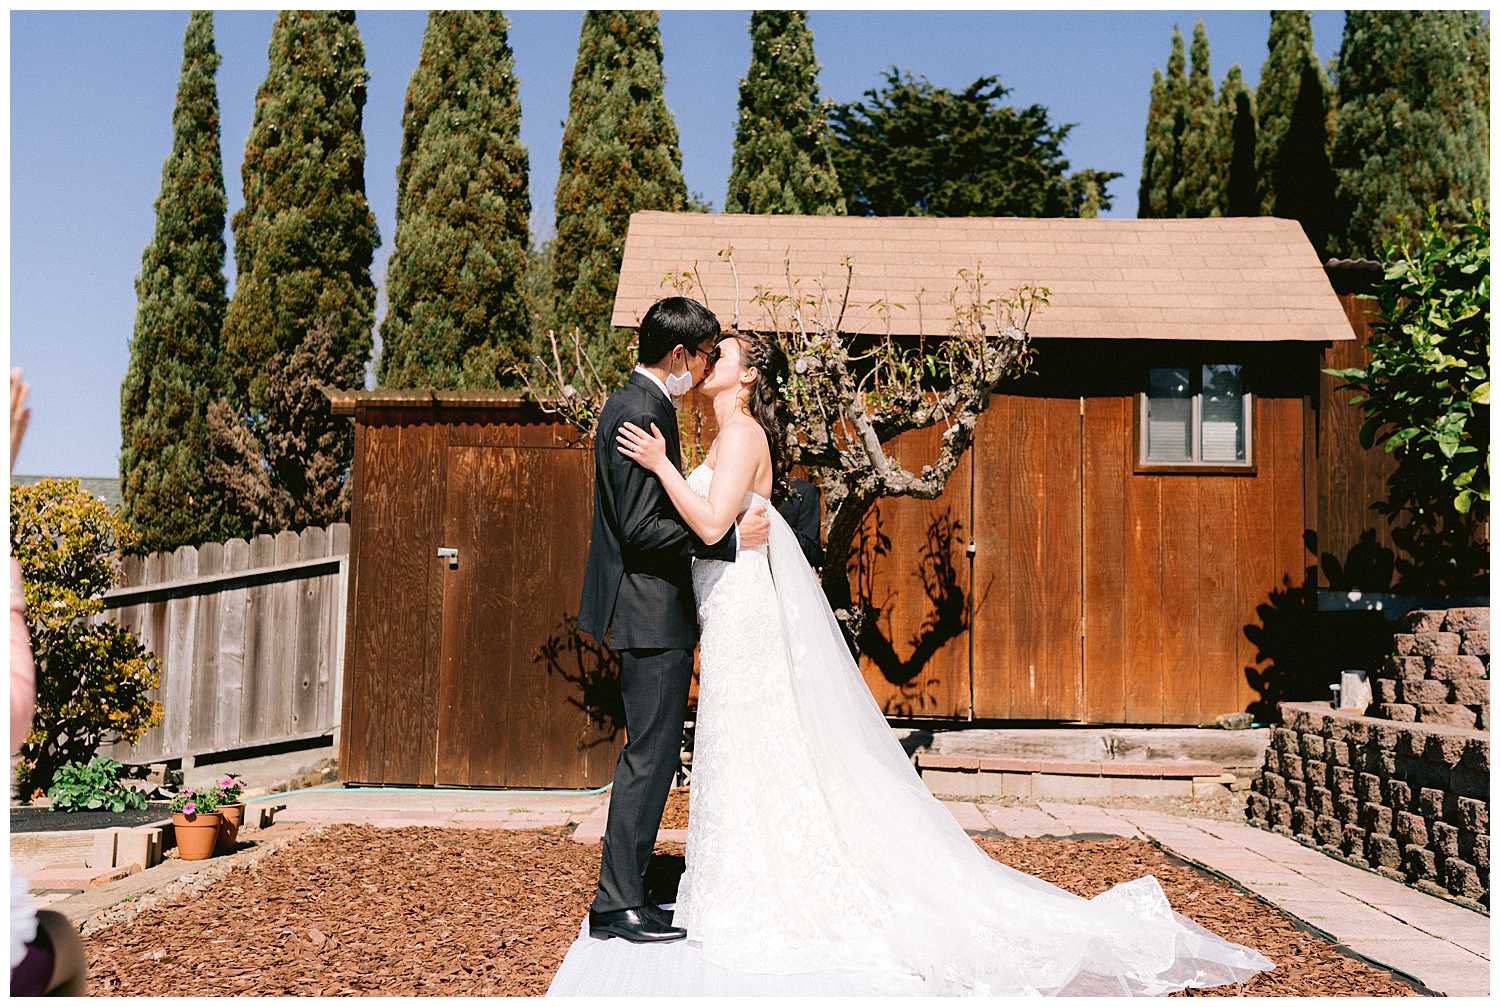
x,y
91,108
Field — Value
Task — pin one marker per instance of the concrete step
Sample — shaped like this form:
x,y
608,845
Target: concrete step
x,y
970,775
1229,749
75,877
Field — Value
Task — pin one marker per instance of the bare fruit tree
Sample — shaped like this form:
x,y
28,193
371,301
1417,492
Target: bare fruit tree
x,y
848,394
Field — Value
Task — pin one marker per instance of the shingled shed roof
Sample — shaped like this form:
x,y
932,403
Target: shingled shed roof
x,y
1254,279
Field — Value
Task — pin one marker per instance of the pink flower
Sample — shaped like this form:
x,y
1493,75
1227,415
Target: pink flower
x,y
225,781
190,808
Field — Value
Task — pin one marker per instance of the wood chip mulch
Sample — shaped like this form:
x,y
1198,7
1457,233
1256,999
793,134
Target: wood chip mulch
x,y
676,814
1306,964
354,910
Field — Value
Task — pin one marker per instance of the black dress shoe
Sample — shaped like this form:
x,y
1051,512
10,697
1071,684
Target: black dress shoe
x,y
636,925
656,912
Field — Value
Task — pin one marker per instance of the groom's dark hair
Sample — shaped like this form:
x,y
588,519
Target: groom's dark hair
x,y
672,321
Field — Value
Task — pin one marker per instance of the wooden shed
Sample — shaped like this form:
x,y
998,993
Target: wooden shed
x,y
1138,508
469,523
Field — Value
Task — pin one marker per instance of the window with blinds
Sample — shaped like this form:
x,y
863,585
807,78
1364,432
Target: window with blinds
x,y
1197,414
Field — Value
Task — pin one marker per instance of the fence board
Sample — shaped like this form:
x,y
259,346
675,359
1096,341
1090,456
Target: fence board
x,y
283,668
259,646
181,615
202,728
331,700
313,542
154,623
234,604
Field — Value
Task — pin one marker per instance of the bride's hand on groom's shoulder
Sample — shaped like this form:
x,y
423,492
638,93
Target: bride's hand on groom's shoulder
x,y
649,451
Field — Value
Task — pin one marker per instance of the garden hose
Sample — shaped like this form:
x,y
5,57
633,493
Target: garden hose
x,y
433,790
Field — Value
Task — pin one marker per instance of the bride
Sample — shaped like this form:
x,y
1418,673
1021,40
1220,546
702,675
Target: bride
x,y
813,846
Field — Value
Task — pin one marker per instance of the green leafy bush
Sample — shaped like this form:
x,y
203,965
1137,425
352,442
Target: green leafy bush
x,y
1426,397
94,787
93,679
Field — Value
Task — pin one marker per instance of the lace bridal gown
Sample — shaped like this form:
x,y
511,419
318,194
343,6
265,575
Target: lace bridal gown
x,y
813,846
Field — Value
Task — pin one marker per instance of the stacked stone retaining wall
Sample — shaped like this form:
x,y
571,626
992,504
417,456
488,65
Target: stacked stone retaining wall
x,y
1439,670
1408,799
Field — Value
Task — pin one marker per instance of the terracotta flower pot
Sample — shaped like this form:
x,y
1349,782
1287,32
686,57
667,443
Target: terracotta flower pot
x,y
229,834
197,834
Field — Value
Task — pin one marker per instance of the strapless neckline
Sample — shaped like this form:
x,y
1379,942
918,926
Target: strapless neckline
x,y
709,468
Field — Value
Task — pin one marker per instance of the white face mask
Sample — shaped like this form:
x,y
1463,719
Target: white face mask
x,y
679,385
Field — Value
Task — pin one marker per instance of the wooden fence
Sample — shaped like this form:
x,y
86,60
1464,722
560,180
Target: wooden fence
x,y
1356,549
250,636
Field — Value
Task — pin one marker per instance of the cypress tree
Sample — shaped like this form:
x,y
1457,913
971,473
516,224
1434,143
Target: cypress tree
x,y
1293,132
456,315
1093,198
1238,195
1413,122
1154,144
1166,121
782,162
303,247
179,313
1197,192
619,154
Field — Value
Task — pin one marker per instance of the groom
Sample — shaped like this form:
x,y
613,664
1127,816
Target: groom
x,y
638,590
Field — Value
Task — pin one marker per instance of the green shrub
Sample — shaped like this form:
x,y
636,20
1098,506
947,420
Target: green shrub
x,y
94,787
93,681
1426,397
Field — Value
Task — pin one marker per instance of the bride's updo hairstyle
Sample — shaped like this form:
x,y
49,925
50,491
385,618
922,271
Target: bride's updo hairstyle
x,y
765,403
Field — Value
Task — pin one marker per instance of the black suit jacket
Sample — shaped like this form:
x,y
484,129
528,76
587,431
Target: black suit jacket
x,y
800,510
638,585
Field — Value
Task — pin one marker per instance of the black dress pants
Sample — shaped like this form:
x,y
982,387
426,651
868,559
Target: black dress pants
x,y
654,684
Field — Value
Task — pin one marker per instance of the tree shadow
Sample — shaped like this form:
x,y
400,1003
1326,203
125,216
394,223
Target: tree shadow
x,y
946,613
1367,566
1302,650
1304,177
593,671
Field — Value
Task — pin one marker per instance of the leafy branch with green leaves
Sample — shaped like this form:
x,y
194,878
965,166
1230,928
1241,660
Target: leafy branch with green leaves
x,y
1426,398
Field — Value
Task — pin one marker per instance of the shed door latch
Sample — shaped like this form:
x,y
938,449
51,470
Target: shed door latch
x,y
451,555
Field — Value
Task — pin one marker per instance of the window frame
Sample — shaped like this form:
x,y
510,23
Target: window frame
x,y
1195,362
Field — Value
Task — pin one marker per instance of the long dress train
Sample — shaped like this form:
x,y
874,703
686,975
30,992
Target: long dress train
x,y
813,846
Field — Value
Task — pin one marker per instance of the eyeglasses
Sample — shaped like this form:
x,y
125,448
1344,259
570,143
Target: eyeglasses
x,y
713,356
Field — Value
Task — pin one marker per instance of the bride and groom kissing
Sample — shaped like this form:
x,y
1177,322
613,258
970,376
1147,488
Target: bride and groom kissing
x,y
812,846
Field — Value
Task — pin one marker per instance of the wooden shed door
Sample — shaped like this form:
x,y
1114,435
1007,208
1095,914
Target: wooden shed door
x,y
518,517
1028,562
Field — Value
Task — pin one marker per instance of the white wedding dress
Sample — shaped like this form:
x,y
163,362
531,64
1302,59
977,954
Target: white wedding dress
x,y
814,847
